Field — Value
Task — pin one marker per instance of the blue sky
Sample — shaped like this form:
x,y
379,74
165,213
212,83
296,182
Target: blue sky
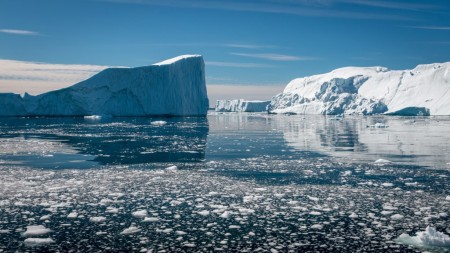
x,y
244,43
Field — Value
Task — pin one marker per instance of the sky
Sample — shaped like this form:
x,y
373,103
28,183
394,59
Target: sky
x,y
252,48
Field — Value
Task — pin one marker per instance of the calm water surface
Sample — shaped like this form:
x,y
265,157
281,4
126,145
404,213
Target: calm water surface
x,y
244,182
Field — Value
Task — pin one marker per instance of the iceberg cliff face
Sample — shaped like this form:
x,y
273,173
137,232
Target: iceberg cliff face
x,y
173,87
240,105
423,90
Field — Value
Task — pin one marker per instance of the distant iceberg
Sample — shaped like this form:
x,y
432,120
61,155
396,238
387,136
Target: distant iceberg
x,y
173,87
241,105
422,91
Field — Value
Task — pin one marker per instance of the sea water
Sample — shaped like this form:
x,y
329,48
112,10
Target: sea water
x,y
229,182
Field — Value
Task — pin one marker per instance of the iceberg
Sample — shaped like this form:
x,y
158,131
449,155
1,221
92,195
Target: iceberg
x,y
422,91
174,87
241,105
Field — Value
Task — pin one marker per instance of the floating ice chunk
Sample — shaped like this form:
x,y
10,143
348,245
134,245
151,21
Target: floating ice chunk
x,y
204,213
312,198
447,198
428,238
33,242
382,161
180,232
225,215
140,214
377,125
353,216
130,230
387,184
72,215
151,219
397,217
96,117
246,211
316,226
97,219
45,217
36,230
159,123
172,169
315,213
110,209
347,173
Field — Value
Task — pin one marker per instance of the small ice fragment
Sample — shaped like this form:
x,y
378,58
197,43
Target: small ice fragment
x,y
225,215
387,184
130,230
36,230
312,198
377,125
72,215
159,123
180,232
45,217
353,216
397,217
204,213
317,226
382,161
33,242
97,219
172,169
447,198
315,213
140,214
347,173
151,219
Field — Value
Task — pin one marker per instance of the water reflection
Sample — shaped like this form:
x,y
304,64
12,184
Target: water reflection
x,y
79,143
418,141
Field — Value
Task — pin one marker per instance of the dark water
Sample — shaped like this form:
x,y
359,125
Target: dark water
x,y
244,182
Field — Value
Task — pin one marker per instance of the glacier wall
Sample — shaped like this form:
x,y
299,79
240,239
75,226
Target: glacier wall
x,y
240,105
173,87
424,90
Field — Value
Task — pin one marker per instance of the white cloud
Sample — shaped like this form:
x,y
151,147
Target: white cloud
x,y
36,78
237,64
275,57
19,32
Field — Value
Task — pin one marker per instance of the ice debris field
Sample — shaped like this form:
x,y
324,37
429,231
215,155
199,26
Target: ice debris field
x,y
247,183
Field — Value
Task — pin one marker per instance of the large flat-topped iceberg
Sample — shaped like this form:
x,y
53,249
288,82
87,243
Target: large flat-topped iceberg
x,y
424,90
173,87
240,105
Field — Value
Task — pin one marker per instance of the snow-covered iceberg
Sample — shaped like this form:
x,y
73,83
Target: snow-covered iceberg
x,y
172,87
241,105
424,90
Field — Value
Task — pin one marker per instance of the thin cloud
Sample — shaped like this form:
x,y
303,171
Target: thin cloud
x,y
19,32
238,64
442,28
275,57
36,77
392,5
250,46
308,8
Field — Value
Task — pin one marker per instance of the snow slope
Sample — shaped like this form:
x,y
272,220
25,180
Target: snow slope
x,y
368,90
240,105
173,87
